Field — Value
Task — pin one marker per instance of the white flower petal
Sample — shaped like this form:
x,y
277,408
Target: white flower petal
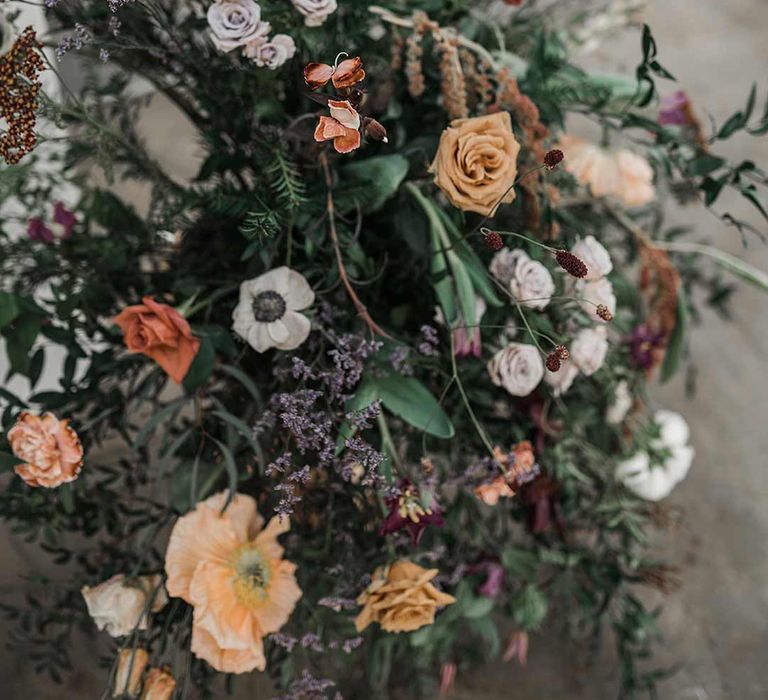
x,y
258,337
298,327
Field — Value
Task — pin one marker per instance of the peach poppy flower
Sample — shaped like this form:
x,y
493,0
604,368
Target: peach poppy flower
x,y
231,570
49,447
401,598
161,333
622,174
345,75
342,127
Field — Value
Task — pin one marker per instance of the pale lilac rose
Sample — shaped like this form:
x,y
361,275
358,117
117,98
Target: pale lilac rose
x,y
518,368
596,257
589,348
531,283
595,293
503,265
562,380
622,402
315,11
279,49
236,23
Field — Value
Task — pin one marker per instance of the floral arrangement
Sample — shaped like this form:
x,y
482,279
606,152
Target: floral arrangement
x,y
366,401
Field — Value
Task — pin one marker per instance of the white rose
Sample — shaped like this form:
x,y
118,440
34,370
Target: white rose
x,y
119,605
236,23
562,380
518,368
595,256
622,402
531,283
594,293
279,49
589,349
7,35
315,11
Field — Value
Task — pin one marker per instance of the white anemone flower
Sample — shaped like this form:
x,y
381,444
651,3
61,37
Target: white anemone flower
x,y
266,316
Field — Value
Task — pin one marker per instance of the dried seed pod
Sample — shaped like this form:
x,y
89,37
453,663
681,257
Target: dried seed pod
x,y
562,352
604,312
553,158
493,240
553,361
572,264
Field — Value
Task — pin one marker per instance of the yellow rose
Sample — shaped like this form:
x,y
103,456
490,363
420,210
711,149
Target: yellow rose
x,y
401,598
476,162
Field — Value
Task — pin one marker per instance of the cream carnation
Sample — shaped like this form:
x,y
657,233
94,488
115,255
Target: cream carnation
x,y
518,368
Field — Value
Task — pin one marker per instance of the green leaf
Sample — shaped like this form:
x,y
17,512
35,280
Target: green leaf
x,y
530,608
231,468
166,412
8,461
202,366
9,309
519,563
704,165
410,399
245,380
380,177
190,482
674,352
477,607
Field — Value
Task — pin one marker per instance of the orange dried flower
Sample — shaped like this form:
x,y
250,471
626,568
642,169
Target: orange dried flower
x,y
342,127
344,75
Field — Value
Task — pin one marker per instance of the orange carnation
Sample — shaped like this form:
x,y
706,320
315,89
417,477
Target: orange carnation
x,y
231,569
50,449
161,333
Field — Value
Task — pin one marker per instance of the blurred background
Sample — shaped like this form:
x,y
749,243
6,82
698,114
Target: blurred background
x,y
715,627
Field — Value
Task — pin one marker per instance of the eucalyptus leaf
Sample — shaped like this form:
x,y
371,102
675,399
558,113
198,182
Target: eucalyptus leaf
x,y
408,398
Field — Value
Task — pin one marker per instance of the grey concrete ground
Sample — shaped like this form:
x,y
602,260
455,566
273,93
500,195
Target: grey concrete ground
x,y
716,626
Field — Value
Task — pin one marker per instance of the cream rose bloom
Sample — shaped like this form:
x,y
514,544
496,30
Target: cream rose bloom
x,y
236,23
562,380
315,11
595,293
279,49
119,605
476,162
589,349
595,256
518,368
621,174
531,283
401,598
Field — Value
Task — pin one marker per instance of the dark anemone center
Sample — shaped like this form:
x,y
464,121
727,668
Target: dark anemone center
x,y
268,306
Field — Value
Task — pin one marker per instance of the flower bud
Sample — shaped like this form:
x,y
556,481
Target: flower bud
x,y
130,666
376,131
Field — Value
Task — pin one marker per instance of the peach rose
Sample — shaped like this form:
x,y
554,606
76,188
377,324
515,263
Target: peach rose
x,y
50,449
401,598
161,333
476,162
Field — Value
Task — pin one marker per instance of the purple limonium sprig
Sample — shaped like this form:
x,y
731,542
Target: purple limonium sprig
x,y
644,344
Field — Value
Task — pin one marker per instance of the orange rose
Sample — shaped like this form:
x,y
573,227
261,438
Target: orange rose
x,y
162,333
50,449
401,598
476,162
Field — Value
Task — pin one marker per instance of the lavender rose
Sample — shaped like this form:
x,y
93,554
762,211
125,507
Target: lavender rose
x,y
236,23
596,257
279,49
518,368
531,283
315,11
